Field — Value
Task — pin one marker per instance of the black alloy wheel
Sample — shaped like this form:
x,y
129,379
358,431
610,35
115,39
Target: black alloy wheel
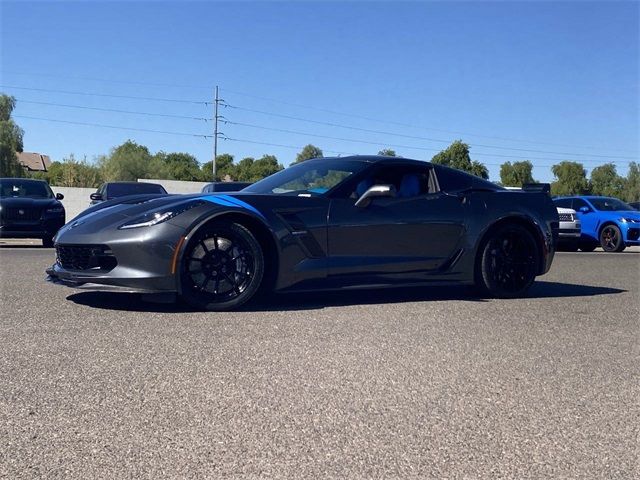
x,y
508,263
47,242
222,267
611,239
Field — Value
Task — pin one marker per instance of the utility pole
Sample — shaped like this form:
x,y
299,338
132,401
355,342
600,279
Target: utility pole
x,y
215,133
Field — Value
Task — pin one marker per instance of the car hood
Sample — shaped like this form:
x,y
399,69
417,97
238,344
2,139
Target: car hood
x,y
25,202
634,214
117,211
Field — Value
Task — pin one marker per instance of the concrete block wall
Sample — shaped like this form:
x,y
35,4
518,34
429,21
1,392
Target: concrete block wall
x,y
177,186
75,199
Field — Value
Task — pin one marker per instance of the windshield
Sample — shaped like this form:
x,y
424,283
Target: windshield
x,y
121,189
610,204
20,188
312,177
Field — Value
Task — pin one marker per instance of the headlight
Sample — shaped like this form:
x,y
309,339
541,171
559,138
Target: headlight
x,y
55,210
628,220
159,216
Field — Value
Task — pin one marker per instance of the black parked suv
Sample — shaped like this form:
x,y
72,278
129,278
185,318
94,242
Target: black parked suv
x,y
29,209
110,190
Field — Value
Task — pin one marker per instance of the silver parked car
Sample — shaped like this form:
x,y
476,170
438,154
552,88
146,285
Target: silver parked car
x,y
569,231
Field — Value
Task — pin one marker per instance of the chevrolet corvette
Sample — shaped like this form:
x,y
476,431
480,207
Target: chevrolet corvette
x,y
330,223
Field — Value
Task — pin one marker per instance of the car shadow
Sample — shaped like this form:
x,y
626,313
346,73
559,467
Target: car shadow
x,y
319,300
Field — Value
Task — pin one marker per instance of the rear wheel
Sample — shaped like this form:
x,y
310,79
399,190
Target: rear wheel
x,y
222,267
508,262
611,239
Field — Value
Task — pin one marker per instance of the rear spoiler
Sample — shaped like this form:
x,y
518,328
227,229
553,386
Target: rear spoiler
x,y
537,187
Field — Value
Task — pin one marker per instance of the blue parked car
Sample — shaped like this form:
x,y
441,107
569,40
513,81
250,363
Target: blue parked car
x,y
607,222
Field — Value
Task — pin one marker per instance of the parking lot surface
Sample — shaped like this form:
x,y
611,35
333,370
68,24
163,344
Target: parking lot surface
x,y
422,383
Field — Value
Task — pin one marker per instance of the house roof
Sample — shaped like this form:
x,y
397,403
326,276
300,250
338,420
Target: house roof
x,y
35,162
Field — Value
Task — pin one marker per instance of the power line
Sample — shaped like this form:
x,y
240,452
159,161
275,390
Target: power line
x,y
331,124
130,112
386,144
416,137
93,94
278,145
96,79
114,126
420,127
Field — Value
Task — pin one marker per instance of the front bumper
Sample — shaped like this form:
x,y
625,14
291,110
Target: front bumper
x,y
631,234
45,228
569,230
142,258
58,277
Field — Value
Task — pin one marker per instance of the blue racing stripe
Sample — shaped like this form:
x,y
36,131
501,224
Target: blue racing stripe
x,y
228,201
242,204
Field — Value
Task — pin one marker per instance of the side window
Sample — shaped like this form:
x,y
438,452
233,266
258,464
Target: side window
x,y
451,180
408,180
578,203
563,203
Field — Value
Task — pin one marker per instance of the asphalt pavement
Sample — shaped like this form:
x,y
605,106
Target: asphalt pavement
x,y
420,383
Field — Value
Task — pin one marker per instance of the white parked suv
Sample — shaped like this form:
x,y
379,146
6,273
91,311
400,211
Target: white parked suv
x,y
570,229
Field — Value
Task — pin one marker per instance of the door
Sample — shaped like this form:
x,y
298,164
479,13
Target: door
x,y
589,221
404,237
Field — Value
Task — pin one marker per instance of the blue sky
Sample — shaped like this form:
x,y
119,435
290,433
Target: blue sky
x,y
559,80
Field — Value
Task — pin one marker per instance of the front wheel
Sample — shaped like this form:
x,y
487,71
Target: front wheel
x,y
222,267
611,239
508,262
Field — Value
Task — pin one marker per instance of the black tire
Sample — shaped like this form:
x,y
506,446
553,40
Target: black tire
x,y
611,239
508,262
588,247
47,242
221,268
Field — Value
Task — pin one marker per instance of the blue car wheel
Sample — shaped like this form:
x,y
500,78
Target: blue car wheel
x,y
611,239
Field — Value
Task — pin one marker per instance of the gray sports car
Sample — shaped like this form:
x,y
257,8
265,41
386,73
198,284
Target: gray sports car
x,y
331,223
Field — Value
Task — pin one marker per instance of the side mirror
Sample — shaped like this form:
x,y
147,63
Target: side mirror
x,y
373,192
584,209
95,196
59,196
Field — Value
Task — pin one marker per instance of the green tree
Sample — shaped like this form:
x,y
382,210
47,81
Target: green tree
x,y
631,191
10,140
606,181
263,167
129,162
570,179
244,169
308,152
457,156
178,166
225,169
516,174
72,173
387,152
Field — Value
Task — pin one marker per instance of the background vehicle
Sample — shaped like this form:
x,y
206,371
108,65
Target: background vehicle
x,y
332,223
635,205
224,187
606,221
29,209
111,190
569,231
